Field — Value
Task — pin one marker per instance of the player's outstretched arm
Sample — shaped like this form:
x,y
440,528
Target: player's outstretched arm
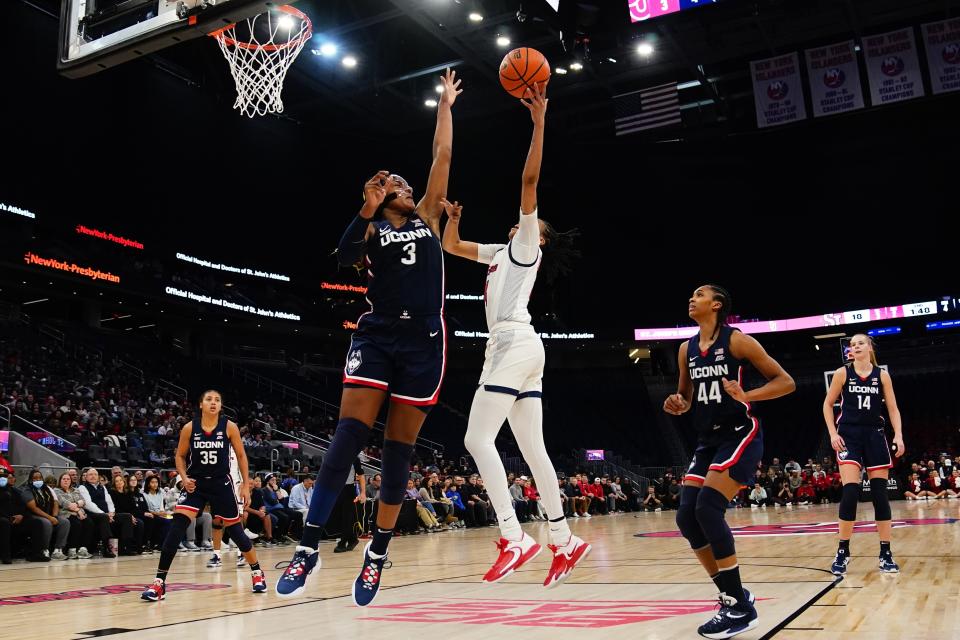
x,y
451,233
429,207
536,102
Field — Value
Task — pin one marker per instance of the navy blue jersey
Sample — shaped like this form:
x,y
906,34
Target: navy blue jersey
x,y
209,452
716,415
861,401
405,269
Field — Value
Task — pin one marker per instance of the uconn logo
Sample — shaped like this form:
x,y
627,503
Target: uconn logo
x,y
208,444
855,388
711,371
403,236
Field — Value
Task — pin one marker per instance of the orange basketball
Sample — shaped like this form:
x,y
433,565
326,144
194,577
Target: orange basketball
x,y
521,69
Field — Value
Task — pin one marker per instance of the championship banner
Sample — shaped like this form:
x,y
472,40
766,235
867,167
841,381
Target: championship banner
x,y
893,67
942,42
777,90
834,79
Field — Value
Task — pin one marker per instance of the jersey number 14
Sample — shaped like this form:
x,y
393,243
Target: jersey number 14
x,y
864,402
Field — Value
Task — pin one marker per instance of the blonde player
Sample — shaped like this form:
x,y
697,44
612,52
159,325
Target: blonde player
x,y
510,385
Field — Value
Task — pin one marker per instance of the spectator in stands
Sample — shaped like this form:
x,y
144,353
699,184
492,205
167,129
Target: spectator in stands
x,y
945,469
784,497
577,502
537,512
673,494
425,514
45,507
821,485
438,507
130,536
459,509
620,501
415,473
610,500
564,500
914,489
935,484
794,480
477,508
114,472
156,518
82,530
953,484
373,489
259,520
287,519
99,506
792,467
758,497
520,505
630,490
651,502
599,500
806,493
74,477
300,496
775,467
289,480
16,523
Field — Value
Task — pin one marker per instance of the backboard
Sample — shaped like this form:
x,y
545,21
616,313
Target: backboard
x,y
99,34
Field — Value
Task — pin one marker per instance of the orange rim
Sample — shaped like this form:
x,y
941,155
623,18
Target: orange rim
x,y
296,13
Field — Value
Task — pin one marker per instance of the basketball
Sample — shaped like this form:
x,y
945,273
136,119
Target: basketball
x,y
521,69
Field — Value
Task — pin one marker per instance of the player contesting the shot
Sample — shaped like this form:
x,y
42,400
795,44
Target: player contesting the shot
x,y
858,438
729,445
398,350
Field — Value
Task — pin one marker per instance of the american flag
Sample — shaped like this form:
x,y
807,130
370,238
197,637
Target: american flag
x,y
647,109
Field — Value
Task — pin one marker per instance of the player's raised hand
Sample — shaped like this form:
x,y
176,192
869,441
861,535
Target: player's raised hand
x,y
676,404
451,87
452,209
374,192
536,101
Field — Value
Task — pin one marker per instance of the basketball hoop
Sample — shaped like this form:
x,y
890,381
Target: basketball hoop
x,y
259,51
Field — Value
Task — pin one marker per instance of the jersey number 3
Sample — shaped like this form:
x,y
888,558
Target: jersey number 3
x,y
411,249
714,394
208,457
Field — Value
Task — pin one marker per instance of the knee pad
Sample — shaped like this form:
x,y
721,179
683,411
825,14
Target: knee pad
x,y
348,441
217,525
711,506
177,532
396,471
687,518
849,498
239,537
881,502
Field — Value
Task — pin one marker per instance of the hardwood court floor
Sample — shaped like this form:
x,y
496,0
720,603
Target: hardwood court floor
x,y
649,587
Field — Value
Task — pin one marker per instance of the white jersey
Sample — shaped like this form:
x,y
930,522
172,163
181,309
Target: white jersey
x,y
511,275
235,476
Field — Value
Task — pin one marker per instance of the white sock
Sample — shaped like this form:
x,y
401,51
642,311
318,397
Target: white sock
x,y
526,422
487,415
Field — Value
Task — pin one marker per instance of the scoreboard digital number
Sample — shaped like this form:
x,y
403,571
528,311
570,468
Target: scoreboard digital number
x,y
641,10
920,309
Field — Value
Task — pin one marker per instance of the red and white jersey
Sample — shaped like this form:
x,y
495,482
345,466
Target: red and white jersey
x,y
511,274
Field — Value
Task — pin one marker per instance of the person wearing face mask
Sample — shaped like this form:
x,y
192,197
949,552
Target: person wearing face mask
x,y
46,508
16,523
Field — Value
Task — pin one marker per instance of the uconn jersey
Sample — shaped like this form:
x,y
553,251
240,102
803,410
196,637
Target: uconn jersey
x,y
404,269
209,451
400,344
716,414
514,354
862,398
729,437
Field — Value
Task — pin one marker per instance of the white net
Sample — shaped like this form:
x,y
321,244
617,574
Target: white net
x,y
260,51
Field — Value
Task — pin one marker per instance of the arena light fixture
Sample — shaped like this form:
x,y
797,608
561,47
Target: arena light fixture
x,y
349,62
503,41
645,49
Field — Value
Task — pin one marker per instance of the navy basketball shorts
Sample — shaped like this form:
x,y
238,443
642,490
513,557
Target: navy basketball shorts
x,y
219,493
739,457
403,356
867,446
